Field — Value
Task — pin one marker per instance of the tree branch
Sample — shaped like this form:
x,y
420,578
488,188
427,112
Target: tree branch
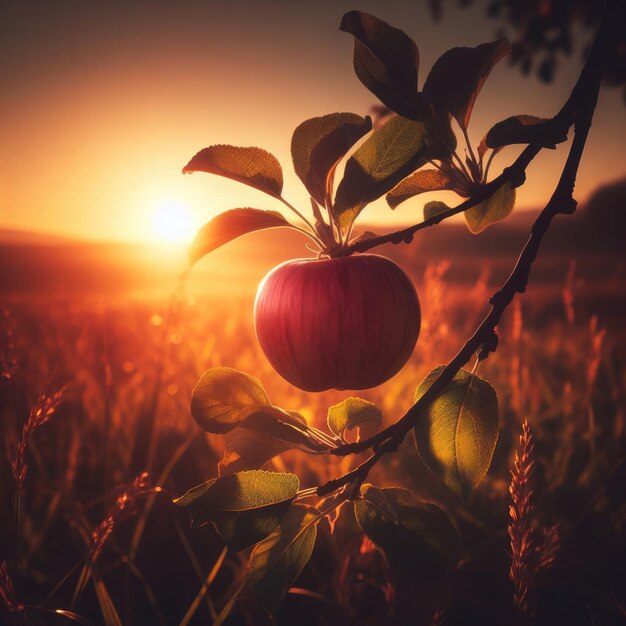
x,y
515,174
580,108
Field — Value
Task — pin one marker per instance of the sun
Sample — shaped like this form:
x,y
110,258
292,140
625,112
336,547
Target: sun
x,y
172,222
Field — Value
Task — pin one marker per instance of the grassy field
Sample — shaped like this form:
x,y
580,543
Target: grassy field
x,y
126,363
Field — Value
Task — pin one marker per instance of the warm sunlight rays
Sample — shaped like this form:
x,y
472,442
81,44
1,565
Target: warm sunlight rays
x,y
172,222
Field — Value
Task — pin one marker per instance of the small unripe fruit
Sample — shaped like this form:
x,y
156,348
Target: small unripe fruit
x,y
344,323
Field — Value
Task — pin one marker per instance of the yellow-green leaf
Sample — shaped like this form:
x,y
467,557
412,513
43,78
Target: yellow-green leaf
x,y
416,536
434,208
354,413
388,155
276,562
251,166
224,397
244,507
492,210
457,433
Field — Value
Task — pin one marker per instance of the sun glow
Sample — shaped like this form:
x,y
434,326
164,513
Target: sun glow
x,y
172,222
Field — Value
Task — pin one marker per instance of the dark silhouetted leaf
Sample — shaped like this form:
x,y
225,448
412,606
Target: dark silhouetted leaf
x,y
492,210
253,445
249,449
250,166
354,413
319,144
244,507
389,154
419,182
522,129
232,224
364,236
431,209
457,77
457,433
417,537
386,61
276,562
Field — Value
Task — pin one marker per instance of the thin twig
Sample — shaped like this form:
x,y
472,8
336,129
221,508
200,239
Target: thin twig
x,y
514,174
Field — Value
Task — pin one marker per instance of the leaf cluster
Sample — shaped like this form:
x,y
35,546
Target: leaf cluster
x,y
263,510
414,151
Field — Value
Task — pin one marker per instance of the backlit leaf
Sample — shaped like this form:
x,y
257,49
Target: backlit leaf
x,y
419,182
433,208
224,397
276,562
250,166
317,146
354,413
525,129
386,61
492,210
457,433
388,155
232,224
457,77
417,537
244,507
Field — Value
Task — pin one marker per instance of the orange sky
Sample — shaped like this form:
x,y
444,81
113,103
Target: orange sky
x,y
104,102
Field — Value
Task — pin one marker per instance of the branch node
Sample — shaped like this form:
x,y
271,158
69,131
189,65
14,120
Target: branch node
x,y
569,207
516,175
490,344
496,300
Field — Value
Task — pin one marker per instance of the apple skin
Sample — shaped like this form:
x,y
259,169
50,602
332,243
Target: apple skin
x,y
343,323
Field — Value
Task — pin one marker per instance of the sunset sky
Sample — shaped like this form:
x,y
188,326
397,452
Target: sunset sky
x,y
103,103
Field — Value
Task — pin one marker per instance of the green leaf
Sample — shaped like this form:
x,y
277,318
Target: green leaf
x,y
276,562
244,507
457,77
317,146
525,129
354,413
386,61
492,210
457,433
250,166
232,224
416,537
224,397
389,154
419,182
431,209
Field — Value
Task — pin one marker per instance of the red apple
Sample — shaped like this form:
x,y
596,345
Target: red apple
x,y
344,323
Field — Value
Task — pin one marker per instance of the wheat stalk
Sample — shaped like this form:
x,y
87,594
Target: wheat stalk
x,y
99,536
520,513
40,413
